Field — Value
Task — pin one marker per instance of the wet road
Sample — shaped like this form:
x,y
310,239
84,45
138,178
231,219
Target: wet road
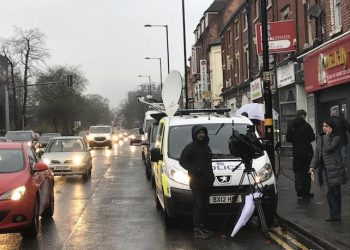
x,y
115,209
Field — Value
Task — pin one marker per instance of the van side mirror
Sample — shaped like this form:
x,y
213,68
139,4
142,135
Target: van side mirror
x,y
141,131
156,155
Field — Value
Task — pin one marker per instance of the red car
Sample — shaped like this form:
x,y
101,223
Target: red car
x,y
26,190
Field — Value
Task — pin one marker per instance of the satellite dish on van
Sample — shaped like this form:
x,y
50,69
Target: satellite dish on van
x,y
171,92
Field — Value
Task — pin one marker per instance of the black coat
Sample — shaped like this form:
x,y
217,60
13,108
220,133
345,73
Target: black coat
x,y
341,126
300,134
196,159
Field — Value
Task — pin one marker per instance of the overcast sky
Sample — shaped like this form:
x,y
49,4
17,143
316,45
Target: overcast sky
x,y
107,38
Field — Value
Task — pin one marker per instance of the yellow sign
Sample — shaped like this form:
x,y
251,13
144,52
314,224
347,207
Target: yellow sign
x,y
334,59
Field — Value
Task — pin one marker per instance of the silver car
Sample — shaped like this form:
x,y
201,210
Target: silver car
x,y
68,155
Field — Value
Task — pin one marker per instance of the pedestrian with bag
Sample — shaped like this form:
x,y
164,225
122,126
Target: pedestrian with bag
x,y
331,171
196,159
301,134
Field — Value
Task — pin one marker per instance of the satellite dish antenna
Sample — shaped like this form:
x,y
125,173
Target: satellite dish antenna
x,y
171,92
315,11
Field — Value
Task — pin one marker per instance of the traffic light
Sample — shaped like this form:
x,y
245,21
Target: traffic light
x,y
70,80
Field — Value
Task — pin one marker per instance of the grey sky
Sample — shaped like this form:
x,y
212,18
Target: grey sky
x,y
107,38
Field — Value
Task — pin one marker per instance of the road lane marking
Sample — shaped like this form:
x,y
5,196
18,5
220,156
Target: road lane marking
x,y
289,238
279,241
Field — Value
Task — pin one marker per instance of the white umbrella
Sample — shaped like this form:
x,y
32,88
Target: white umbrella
x,y
246,213
255,111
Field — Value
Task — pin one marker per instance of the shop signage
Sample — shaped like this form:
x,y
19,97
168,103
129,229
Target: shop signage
x,y
194,61
285,75
281,36
203,72
256,89
328,66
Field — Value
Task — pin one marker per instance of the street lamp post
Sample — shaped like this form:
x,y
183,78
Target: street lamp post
x,y
160,68
185,57
167,40
149,80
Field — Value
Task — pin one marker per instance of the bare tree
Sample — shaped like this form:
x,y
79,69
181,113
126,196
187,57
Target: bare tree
x,y
6,49
29,45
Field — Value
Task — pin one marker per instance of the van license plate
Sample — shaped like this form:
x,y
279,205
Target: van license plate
x,y
219,199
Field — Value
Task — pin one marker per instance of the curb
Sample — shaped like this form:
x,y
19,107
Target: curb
x,y
304,232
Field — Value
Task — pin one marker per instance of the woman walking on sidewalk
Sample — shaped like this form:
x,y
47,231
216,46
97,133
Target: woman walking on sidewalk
x,y
331,169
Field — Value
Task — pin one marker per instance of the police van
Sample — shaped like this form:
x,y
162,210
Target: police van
x,y
172,192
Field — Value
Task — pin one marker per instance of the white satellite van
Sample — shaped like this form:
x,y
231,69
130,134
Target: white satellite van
x,y
172,191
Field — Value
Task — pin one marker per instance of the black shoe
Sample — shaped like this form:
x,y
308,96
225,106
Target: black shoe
x,y
307,196
333,219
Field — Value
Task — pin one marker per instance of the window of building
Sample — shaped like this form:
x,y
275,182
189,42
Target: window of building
x,y
206,19
236,25
246,62
202,25
285,12
335,14
238,68
256,9
229,37
245,21
268,4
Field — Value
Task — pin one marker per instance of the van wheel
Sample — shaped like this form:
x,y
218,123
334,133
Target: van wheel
x,y
158,205
33,229
168,221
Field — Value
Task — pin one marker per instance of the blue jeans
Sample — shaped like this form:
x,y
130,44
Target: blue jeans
x,y
334,201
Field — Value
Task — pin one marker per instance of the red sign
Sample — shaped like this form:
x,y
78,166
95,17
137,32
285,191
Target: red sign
x,y
328,66
281,37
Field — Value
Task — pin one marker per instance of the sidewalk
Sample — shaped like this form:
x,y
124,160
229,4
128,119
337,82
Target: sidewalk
x,y
308,216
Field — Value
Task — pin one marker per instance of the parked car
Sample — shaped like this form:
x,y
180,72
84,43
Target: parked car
x,y
147,145
68,155
135,136
26,190
27,136
45,138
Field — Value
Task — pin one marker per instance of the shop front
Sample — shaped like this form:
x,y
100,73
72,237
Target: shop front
x,y
327,76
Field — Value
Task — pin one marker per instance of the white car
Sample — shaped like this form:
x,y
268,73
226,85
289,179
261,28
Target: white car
x,y
100,136
172,192
68,155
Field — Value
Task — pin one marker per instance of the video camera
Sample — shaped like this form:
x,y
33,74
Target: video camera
x,y
247,146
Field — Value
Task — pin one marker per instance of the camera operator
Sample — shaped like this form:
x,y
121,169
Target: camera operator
x,y
196,159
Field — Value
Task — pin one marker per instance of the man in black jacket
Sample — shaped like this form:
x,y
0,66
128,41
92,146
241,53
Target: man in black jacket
x,y
300,134
196,159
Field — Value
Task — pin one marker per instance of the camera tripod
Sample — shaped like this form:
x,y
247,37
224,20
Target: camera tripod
x,y
251,175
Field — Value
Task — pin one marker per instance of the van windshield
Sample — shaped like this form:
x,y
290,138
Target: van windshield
x,y
219,135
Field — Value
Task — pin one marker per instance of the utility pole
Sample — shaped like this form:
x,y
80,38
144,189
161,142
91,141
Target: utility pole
x,y
185,57
266,85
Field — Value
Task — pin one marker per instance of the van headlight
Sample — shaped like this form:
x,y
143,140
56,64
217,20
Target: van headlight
x,y
14,194
179,176
264,173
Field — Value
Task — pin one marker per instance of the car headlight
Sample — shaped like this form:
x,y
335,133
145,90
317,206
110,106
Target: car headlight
x,y
29,143
89,137
108,137
120,136
14,194
77,160
179,176
115,137
264,174
132,137
46,161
